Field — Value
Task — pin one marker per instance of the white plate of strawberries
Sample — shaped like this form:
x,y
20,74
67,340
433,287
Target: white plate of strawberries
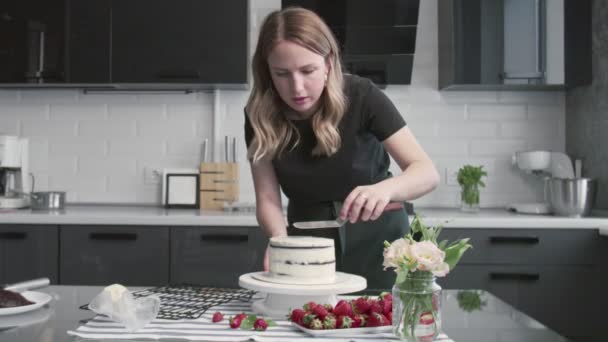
x,y
361,315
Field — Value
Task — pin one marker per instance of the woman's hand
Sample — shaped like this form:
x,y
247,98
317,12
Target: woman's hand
x,y
365,203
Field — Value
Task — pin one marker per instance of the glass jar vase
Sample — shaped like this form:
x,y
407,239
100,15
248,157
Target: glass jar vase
x,y
417,308
469,198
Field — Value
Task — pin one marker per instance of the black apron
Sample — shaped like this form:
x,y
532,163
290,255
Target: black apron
x,y
359,246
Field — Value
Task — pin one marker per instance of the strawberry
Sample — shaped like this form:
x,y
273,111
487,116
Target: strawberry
x,y
374,306
329,322
307,319
329,307
386,296
217,317
387,306
361,305
359,320
344,322
236,321
297,316
260,324
316,324
309,306
389,316
426,318
343,308
320,311
377,320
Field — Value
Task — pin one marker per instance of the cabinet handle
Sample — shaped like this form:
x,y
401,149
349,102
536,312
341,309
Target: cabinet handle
x,y
113,236
524,240
224,238
13,236
514,276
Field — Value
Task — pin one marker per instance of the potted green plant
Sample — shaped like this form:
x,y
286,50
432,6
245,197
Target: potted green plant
x,y
469,178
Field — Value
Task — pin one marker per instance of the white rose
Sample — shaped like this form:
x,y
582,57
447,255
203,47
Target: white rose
x,y
428,256
396,253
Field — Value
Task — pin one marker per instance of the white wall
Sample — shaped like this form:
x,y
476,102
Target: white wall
x,y
97,146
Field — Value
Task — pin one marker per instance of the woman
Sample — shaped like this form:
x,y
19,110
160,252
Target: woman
x,y
323,137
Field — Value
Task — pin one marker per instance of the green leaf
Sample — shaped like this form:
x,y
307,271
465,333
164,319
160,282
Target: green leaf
x,y
271,323
454,252
471,175
247,323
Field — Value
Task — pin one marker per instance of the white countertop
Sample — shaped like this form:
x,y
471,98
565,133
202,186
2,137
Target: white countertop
x,y
156,216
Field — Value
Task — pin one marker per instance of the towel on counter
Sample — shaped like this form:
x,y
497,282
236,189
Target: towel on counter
x,y
202,329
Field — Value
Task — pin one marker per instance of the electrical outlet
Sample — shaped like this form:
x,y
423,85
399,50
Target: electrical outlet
x,y
152,175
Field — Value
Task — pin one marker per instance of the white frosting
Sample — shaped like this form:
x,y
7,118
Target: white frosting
x,y
302,259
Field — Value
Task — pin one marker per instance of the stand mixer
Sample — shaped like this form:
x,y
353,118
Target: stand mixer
x,y
545,165
14,172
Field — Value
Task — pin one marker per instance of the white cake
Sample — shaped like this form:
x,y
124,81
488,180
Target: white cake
x,y
302,260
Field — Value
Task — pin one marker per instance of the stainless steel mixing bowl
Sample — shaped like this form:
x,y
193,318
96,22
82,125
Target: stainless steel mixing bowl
x,y
573,197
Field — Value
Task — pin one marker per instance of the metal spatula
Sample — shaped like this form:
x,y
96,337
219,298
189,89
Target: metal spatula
x,y
337,223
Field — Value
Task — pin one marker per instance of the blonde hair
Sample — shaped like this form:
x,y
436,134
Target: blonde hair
x,y
272,130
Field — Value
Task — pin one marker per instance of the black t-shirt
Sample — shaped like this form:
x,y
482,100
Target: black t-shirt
x,y
361,160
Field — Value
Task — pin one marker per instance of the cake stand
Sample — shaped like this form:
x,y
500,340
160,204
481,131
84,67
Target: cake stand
x,y
280,298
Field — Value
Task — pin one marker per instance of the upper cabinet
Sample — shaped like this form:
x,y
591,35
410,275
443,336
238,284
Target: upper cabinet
x,y
130,44
514,44
377,37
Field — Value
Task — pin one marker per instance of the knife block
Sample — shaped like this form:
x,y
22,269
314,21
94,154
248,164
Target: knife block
x,y
219,183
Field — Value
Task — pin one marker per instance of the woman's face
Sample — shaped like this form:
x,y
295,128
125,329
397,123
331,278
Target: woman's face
x,y
298,75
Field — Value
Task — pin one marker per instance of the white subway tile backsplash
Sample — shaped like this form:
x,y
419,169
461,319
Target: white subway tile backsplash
x,y
49,96
166,128
468,97
137,146
77,146
24,111
9,96
435,113
467,129
193,112
496,112
496,147
9,125
526,97
545,113
136,112
48,128
107,128
96,146
529,130
76,112
111,166
440,147
107,97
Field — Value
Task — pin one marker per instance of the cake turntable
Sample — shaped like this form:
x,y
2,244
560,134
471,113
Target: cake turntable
x,y
280,297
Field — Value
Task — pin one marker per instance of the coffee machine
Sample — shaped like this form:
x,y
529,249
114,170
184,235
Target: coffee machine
x,y
14,172
543,164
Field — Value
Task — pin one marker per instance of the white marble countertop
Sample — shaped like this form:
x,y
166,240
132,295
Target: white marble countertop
x,y
156,216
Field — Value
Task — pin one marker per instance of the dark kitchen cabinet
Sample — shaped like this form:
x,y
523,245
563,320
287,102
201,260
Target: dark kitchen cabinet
x,y
28,252
32,41
102,255
377,37
514,44
215,256
127,44
550,274
179,42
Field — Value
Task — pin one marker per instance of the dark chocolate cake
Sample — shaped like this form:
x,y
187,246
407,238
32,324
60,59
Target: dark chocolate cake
x,y
9,299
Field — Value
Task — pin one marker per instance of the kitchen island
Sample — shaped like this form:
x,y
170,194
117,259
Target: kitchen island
x,y
491,321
